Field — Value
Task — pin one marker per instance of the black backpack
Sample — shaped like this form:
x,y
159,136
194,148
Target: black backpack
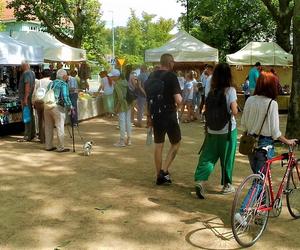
x,y
131,96
216,112
154,88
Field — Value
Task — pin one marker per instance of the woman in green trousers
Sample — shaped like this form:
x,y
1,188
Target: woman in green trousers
x,y
221,137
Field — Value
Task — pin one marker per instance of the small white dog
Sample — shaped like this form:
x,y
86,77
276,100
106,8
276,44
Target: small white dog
x,y
87,148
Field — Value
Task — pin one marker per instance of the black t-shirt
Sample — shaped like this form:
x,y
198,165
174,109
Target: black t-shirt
x,y
171,86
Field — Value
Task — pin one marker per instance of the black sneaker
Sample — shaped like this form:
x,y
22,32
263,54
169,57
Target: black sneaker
x,y
167,177
160,180
199,191
163,178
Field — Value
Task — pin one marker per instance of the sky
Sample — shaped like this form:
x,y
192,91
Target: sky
x,y
121,9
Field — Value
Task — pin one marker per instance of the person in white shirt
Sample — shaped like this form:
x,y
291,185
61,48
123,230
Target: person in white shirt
x,y
188,97
181,79
39,104
203,79
255,110
209,71
107,86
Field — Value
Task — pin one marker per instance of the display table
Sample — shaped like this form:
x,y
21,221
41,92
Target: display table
x,y
10,115
89,108
282,100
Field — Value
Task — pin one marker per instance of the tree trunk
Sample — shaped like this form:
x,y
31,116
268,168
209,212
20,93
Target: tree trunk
x,y
282,16
293,122
283,33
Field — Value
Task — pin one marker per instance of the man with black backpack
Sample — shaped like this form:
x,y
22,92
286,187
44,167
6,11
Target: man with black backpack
x,y
163,96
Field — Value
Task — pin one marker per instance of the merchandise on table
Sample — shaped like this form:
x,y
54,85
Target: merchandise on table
x,y
10,110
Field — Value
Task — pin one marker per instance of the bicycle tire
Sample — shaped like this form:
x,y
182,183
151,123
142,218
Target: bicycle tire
x,y
251,195
293,191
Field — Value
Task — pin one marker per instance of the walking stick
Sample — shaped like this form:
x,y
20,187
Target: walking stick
x,y
73,139
72,124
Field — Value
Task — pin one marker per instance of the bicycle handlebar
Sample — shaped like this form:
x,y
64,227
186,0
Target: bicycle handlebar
x,y
286,155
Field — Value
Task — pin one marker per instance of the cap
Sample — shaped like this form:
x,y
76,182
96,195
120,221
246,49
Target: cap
x,y
114,72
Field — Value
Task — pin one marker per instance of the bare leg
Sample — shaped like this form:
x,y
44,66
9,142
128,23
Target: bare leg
x,y
171,156
158,148
182,111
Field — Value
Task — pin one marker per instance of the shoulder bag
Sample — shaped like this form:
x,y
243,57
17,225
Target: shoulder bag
x,y
249,142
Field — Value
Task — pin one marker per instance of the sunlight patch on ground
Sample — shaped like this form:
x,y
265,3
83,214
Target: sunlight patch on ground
x,y
158,217
55,209
47,237
6,188
146,202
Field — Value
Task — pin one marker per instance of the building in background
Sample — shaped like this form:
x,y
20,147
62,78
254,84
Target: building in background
x,y
11,23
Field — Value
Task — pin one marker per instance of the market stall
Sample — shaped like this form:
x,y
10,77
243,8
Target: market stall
x,y
270,55
89,106
54,50
12,53
187,51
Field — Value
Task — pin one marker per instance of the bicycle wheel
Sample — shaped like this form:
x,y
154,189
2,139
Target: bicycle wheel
x,y
293,191
248,215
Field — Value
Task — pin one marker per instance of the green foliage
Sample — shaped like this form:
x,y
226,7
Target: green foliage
x,y
139,35
228,25
282,12
73,22
2,26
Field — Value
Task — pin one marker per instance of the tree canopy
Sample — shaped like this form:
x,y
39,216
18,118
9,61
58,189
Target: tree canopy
x,y
140,34
73,22
228,25
2,6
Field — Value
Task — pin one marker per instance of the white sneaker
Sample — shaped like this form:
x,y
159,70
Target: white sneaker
x,y
228,189
129,142
120,144
240,219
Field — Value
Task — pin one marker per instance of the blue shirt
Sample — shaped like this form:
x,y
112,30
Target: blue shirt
x,y
188,91
203,80
73,85
253,75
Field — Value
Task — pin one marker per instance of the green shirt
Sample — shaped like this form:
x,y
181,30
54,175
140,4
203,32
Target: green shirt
x,y
120,91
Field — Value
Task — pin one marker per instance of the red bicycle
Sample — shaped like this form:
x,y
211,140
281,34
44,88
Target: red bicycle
x,y
255,198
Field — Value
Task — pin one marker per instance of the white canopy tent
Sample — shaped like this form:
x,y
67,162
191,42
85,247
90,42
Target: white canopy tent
x,y
54,50
184,48
267,53
13,52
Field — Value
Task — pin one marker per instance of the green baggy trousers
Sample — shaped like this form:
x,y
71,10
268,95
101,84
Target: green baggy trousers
x,y
215,147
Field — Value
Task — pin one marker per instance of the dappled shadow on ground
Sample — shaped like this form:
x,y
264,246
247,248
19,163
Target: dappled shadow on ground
x,y
109,200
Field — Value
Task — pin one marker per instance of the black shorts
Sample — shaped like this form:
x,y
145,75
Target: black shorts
x,y
166,123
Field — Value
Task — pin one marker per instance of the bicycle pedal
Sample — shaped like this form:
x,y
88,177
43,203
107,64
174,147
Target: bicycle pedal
x,y
287,191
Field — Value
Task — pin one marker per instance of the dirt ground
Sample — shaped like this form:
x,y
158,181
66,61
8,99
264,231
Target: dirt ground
x,y
110,201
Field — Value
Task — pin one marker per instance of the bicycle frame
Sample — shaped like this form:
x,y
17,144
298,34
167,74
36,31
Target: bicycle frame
x,y
265,172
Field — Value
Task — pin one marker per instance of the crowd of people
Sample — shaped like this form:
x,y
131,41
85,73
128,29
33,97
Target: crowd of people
x,y
208,95
34,87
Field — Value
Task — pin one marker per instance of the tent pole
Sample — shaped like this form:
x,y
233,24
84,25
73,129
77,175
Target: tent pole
x,y
187,16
